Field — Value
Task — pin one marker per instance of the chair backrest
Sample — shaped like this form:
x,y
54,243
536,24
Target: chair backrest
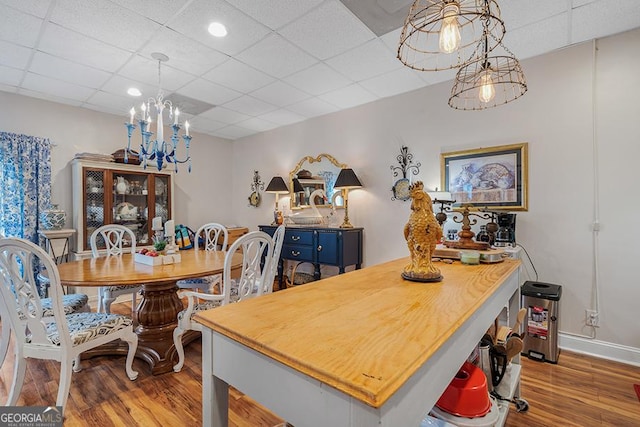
x,y
254,246
278,240
114,239
211,233
21,264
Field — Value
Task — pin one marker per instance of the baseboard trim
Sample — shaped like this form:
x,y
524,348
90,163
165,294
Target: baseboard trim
x,y
601,349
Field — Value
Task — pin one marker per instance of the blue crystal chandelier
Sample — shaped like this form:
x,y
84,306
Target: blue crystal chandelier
x,y
157,149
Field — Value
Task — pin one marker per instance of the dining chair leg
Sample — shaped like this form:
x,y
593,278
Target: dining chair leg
x,y
132,340
77,367
178,332
19,371
66,369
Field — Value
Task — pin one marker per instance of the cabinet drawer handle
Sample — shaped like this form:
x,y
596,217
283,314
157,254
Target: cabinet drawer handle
x,y
319,248
295,238
295,253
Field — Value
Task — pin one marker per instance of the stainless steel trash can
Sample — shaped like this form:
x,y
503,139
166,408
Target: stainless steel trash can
x,y
541,326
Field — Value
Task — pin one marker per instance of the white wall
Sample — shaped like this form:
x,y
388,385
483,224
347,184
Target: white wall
x,y
199,196
556,118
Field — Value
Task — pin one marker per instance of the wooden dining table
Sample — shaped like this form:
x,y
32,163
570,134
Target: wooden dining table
x,y
155,317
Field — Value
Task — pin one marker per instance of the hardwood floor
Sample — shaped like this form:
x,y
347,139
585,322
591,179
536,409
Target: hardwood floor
x,y
578,391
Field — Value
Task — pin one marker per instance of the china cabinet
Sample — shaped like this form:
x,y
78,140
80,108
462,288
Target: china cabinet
x,y
116,193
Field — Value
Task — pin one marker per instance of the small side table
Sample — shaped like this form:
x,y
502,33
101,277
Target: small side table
x,y
57,243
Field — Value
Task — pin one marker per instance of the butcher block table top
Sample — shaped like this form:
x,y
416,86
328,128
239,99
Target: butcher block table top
x,y
364,332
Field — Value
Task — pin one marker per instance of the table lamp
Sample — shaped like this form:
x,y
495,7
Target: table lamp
x,y
346,180
277,186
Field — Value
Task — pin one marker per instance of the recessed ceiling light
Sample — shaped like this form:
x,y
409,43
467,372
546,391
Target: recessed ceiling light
x,y
216,29
134,91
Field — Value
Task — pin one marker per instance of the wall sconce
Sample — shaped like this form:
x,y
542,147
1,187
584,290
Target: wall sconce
x,y
346,180
277,186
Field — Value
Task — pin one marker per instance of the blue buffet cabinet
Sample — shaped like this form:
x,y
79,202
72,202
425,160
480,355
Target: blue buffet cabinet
x,y
339,247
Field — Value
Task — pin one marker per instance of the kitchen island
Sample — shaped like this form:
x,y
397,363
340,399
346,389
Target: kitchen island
x,y
365,348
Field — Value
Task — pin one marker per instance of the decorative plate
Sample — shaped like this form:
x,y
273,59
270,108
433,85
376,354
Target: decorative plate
x,y
127,211
254,199
401,189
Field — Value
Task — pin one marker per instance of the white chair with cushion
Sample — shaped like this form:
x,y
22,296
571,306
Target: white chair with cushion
x,y
36,337
211,234
114,236
278,240
72,303
255,247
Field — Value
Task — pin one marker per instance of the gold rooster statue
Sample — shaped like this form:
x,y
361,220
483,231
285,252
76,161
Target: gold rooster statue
x,y
422,233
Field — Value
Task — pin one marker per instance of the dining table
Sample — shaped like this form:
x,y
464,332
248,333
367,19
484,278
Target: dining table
x,y
156,315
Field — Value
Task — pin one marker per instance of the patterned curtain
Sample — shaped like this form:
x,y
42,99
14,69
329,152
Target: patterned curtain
x,y
25,183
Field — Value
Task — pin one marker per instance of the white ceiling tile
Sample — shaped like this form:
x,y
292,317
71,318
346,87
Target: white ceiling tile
x,y
249,105
604,17
79,48
239,76
158,10
56,88
204,125
257,124
50,97
234,132
19,27
224,115
119,85
212,93
280,94
312,107
105,21
327,30
349,97
275,13
577,3
184,53
282,117
550,34
392,40
318,79
33,7
363,62
242,30
146,70
14,55
121,104
61,69
8,88
276,56
10,76
519,13
393,83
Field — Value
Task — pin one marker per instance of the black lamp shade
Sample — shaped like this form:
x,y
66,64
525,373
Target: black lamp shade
x,y
277,185
347,179
297,187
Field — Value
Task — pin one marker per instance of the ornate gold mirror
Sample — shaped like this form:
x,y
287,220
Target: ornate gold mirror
x,y
315,173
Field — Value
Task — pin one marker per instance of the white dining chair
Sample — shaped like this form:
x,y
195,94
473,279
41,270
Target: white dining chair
x,y
114,237
211,234
278,240
36,337
255,247
71,303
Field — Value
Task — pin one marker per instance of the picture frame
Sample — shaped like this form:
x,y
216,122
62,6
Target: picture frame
x,y
493,177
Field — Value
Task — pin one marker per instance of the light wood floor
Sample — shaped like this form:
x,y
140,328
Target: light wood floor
x,y
578,391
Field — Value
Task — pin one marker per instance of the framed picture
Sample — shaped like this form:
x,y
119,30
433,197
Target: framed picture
x,y
492,177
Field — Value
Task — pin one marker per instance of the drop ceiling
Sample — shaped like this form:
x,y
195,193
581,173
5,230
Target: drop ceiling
x,y
283,61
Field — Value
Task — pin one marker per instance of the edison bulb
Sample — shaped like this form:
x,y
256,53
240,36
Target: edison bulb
x,y
450,32
487,91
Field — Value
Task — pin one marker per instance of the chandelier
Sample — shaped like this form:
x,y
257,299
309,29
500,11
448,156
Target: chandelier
x,y
491,78
157,149
442,34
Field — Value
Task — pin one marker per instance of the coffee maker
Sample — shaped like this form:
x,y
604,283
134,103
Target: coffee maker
x,y
506,234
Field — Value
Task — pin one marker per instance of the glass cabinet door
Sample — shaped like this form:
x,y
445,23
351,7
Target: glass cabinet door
x,y
130,204
94,185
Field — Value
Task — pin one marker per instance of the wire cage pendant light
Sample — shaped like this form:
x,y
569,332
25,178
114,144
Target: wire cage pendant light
x,y
490,78
443,34
158,149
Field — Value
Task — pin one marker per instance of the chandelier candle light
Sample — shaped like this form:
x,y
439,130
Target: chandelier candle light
x,y
158,149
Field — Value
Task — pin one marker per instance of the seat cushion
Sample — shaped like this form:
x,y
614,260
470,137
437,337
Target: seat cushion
x,y
85,327
205,305
120,288
72,303
192,283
